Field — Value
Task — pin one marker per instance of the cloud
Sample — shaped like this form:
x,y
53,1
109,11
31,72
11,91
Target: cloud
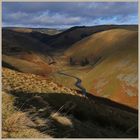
x,y
17,16
55,19
55,14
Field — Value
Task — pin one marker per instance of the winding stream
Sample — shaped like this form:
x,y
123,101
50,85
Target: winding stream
x,y
77,84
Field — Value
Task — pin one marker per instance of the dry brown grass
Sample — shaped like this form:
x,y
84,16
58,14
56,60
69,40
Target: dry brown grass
x,y
16,124
17,81
62,119
39,111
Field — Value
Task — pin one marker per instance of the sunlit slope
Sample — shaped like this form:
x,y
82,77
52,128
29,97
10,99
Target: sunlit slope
x,y
115,73
116,78
25,65
102,44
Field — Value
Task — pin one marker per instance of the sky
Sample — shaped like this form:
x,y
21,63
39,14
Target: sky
x,y
68,14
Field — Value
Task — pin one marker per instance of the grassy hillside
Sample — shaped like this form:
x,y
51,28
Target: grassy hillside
x,y
51,110
113,55
27,65
102,44
24,52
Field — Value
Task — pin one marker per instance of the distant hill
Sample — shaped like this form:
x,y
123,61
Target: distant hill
x,y
49,31
65,39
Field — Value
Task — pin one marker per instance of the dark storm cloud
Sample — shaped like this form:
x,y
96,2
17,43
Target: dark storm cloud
x,y
68,13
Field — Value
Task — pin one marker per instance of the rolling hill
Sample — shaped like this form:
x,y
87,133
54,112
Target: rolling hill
x,y
23,65
113,56
48,31
63,39
68,37
24,53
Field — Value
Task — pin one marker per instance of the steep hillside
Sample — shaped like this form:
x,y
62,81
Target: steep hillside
x,y
34,107
113,55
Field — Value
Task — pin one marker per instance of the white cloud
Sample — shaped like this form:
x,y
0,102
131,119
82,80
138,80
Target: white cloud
x,y
18,15
46,18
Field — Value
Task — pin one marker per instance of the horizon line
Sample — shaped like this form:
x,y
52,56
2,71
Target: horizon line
x,y
65,27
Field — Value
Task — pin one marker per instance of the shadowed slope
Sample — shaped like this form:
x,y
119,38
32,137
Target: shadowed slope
x,y
16,42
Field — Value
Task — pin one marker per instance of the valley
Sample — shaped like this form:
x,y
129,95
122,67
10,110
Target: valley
x,y
85,77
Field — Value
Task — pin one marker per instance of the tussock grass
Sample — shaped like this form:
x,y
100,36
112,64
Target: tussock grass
x,y
15,123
